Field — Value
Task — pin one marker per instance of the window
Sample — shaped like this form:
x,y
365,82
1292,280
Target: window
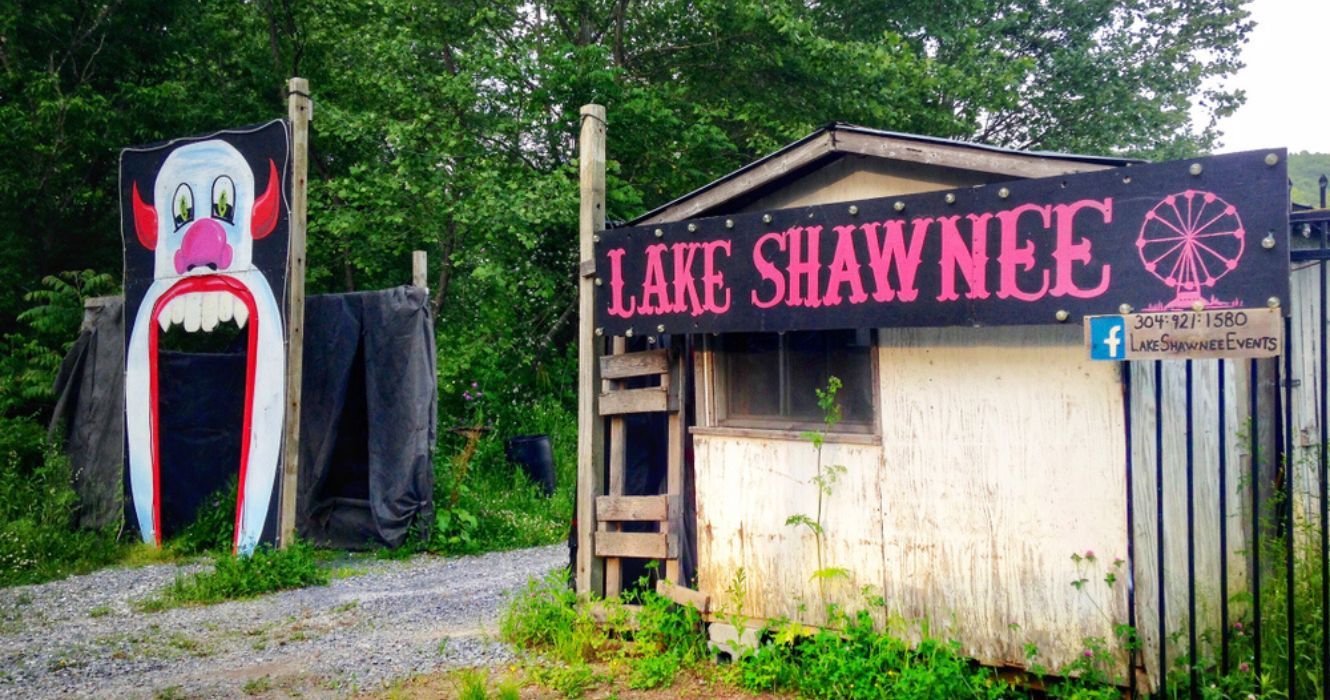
x,y
768,380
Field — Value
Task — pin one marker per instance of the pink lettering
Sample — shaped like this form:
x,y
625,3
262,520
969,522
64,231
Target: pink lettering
x,y
685,287
844,270
713,280
1014,257
891,246
616,286
971,260
1071,251
654,284
803,268
766,269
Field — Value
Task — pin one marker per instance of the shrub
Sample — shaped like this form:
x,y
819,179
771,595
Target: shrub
x,y
267,570
37,540
213,529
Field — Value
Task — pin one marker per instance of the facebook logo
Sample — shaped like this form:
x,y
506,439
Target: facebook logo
x,y
1108,338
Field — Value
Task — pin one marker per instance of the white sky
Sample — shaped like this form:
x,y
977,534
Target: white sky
x,y
1286,77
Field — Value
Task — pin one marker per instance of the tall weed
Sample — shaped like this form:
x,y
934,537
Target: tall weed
x,y
37,539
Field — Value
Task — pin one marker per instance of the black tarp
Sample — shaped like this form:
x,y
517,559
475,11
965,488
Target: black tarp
x,y
367,430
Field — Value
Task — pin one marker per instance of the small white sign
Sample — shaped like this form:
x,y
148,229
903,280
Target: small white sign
x,y
1167,335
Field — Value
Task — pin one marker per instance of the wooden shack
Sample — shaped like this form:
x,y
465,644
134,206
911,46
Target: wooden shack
x,y
994,475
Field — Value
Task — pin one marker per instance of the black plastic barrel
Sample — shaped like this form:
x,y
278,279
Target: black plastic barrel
x,y
535,455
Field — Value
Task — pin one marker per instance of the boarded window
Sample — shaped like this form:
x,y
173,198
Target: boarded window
x,y
769,380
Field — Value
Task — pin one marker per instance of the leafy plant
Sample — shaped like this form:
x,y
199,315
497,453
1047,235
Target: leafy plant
x,y
37,539
267,570
213,529
824,481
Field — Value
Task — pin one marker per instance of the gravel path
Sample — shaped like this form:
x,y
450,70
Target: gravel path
x,y
391,619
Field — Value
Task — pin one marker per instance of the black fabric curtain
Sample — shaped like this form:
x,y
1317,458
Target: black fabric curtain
x,y
368,416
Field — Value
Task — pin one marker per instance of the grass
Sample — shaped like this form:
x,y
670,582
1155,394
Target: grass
x,y
266,571
661,644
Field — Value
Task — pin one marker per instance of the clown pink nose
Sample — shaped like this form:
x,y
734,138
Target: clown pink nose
x,y
204,246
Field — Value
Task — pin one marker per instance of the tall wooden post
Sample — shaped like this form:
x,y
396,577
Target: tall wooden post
x,y
419,269
590,427
298,112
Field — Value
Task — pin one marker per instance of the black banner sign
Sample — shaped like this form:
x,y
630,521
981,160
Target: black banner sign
x,y
1204,233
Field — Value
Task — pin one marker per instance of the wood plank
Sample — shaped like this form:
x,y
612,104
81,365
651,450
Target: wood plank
x,y
641,545
960,156
637,508
618,477
678,386
750,179
298,112
590,428
622,616
650,400
985,163
419,269
635,364
684,596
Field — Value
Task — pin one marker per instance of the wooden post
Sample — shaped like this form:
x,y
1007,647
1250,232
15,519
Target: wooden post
x,y
590,427
419,268
298,112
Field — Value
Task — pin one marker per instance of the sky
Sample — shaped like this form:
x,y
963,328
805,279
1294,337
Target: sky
x,y
1288,62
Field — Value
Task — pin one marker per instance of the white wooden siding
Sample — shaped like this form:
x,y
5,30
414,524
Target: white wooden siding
x,y
1002,456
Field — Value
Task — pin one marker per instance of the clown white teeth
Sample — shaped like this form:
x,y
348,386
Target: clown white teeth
x,y
201,227
208,310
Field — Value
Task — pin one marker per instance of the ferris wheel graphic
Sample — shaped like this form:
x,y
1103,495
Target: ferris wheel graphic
x,y
1190,240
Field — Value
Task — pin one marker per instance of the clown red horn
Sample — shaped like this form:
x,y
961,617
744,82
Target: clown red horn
x,y
145,221
265,207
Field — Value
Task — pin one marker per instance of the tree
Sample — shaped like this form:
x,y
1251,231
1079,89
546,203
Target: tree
x,y
450,126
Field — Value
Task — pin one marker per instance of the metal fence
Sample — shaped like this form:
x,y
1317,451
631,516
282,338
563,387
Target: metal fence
x,y
1273,587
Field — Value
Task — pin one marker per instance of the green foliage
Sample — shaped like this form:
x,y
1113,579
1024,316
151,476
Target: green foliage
x,y
823,480
1305,170
661,640
471,685
267,570
49,327
497,507
855,660
213,529
37,542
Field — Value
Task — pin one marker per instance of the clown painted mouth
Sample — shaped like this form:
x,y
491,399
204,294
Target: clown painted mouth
x,y
203,304
203,311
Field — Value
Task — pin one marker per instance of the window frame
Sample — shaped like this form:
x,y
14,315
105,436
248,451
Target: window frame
x,y
712,418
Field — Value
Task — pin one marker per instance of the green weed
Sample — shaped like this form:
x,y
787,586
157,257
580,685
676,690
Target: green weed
x,y
265,571
213,529
257,686
37,539
490,504
472,685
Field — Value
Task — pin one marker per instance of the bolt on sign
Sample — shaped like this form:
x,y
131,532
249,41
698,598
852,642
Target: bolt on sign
x,y
1204,233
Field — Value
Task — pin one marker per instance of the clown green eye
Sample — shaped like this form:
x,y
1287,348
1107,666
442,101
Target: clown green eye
x,y
224,199
182,205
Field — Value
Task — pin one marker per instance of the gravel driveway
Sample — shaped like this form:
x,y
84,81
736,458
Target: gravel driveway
x,y
388,620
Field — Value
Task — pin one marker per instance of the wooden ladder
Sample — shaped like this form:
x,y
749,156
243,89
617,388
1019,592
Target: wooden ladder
x,y
614,508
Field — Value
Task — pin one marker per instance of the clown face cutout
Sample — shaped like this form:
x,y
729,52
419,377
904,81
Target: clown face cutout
x,y
203,255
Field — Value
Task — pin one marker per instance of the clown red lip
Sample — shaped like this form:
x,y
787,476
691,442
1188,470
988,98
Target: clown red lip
x,y
181,297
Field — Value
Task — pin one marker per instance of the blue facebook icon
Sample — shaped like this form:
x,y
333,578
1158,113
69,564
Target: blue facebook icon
x,y
1108,338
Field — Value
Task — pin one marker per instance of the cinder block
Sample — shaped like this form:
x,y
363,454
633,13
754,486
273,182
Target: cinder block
x,y
728,642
